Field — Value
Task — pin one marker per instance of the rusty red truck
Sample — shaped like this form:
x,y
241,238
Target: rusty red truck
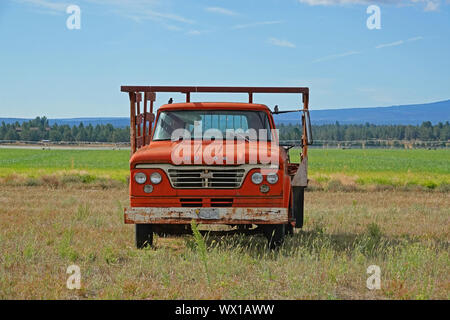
x,y
213,162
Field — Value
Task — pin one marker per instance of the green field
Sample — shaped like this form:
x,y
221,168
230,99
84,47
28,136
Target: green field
x,y
35,163
391,167
354,167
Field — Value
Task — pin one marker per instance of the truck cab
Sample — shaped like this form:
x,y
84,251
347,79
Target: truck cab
x,y
212,162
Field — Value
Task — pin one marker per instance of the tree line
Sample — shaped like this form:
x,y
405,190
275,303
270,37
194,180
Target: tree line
x,y
39,129
351,132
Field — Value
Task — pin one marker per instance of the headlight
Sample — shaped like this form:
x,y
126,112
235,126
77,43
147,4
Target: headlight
x,y
272,178
257,178
140,177
155,178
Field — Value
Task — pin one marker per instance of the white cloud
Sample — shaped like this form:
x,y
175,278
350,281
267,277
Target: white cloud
x,y
431,5
193,32
398,43
336,56
196,32
154,15
391,44
281,43
343,2
415,38
136,10
220,10
46,5
255,24
128,3
172,27
351,53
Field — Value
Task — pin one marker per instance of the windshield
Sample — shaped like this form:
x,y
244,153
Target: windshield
x,y
231,124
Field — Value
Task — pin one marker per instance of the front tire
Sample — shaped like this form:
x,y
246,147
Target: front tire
x,y
289,230
298,205
274,234
164,230
144,235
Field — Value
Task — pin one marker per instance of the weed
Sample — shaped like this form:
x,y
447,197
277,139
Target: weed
x,y
51,181
371,242
201,247
82,212
65,249
110,256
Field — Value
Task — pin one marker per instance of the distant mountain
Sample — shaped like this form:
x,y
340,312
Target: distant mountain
x,y
115,121
405,114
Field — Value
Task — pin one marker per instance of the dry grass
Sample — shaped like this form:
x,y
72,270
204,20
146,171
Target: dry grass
x,y
63,179
44,229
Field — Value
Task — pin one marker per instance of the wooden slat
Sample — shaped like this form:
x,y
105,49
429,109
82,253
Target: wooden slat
x,y
144,127
149,117
138,99
139,141
132,96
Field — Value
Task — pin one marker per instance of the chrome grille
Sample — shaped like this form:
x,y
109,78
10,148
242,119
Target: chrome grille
x,y
206,178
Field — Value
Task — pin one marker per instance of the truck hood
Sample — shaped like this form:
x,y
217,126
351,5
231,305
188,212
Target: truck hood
x,y
249,152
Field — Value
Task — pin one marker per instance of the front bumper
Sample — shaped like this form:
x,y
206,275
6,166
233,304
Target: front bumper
x,y
206,215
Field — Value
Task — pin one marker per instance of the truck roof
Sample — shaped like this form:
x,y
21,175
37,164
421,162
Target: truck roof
x,y
215,105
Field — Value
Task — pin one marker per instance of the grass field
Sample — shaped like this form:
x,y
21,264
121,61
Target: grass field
x,y
327,167
43,231
35,162
364,207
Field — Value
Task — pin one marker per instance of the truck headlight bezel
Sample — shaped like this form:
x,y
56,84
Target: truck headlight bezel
x,y
148,188
272,178
257,178
155,178
140,177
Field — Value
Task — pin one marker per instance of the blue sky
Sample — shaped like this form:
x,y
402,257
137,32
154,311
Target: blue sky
x,y
47,69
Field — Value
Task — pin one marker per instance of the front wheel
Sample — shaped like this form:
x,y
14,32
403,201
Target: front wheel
x,y
275,234
144,235
289,230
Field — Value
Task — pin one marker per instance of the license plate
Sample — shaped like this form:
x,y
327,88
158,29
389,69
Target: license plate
x,y
208,213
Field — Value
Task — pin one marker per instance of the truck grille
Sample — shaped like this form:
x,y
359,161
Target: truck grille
x,y
222,202
206,178
188,202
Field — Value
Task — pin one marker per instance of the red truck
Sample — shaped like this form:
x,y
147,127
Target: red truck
x,y
214,162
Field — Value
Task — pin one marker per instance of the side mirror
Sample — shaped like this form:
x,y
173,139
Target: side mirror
x,y
309,138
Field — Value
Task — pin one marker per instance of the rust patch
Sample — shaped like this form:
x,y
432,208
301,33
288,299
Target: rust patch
x,y
181,215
